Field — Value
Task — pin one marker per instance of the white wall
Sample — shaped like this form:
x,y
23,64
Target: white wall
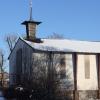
x,y
92,82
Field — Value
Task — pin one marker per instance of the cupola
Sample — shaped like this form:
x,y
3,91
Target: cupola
x,y
31,29
31,26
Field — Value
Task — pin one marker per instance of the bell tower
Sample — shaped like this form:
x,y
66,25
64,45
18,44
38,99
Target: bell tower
x,y
31,26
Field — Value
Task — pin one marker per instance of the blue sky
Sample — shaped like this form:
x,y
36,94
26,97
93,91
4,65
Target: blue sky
x,y
75,19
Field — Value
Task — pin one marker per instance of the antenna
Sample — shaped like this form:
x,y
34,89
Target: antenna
x,y
30,9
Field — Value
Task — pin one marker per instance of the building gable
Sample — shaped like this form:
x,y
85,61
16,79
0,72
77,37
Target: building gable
x,y
19,41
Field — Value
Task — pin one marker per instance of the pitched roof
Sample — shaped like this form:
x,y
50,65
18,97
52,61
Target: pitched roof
x,y
66,45
63,45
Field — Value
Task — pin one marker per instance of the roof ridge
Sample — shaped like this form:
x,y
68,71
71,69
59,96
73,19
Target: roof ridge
x,y
72,40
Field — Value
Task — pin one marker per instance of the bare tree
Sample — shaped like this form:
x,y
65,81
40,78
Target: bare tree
x,y
55,36
11,40
45,75
1,67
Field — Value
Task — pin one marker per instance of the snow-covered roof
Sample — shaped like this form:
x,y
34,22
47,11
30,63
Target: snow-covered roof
x,y
66,45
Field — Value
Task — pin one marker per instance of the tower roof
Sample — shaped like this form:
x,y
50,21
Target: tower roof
x,y
30,21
